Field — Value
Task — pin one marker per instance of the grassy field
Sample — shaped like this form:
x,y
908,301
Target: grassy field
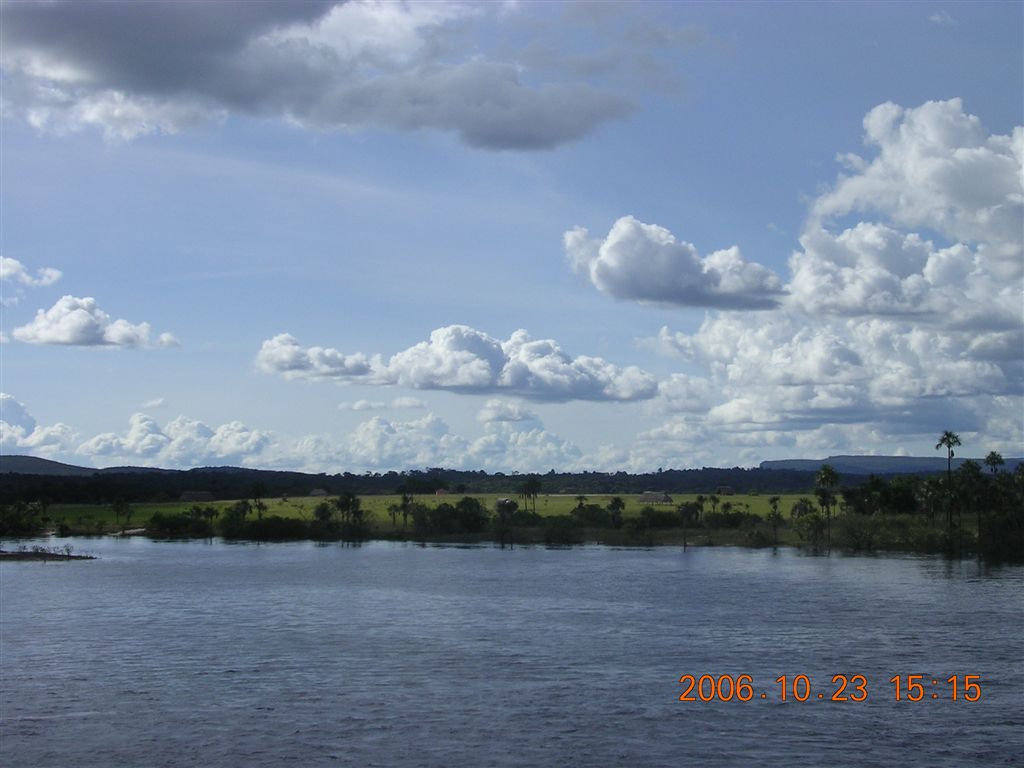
x,y
101,518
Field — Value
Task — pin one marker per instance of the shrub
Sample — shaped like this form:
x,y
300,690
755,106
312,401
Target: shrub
x,y
730,519
659,518
527,519
810,527
560,530
592,516
473,516
858,532
180,525
20,519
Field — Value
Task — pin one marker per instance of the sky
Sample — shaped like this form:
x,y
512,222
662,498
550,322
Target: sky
x,y
514,237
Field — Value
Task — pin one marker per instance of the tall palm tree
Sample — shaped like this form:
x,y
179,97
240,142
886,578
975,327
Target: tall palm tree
x,y
994,461
532,487
949,440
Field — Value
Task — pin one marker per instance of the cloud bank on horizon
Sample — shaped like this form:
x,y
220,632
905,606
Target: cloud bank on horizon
x,y
898,313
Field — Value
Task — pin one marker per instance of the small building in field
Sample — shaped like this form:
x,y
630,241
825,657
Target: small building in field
x,y
655,497
195,497
318,492
441,492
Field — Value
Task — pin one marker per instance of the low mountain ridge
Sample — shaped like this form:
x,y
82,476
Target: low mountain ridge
x,y
879,465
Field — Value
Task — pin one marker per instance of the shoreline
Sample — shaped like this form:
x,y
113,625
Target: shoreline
x,y
667,539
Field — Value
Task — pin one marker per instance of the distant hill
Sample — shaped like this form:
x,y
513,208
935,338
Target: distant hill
x,y
32,465
878,465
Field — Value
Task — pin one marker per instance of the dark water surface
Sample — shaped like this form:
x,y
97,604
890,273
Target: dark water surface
x,y
210,654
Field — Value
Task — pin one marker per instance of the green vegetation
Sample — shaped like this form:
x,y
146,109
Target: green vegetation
x,y
966,511
898,514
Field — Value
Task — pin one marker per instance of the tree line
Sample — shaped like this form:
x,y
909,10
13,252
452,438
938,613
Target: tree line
x,y
224,483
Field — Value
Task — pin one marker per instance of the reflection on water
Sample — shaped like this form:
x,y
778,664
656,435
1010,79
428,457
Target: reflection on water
x,y
204,653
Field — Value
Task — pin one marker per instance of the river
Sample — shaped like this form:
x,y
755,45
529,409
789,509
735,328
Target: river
x,y
389,654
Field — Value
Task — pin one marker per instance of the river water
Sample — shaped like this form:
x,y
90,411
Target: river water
x,y
215,654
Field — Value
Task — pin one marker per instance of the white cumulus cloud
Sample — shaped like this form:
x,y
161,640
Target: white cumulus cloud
x,y
80,322
20,433
16,275
181,442
509,445
167,340
646,263
935,167
282,354
14,271
497,411
462,359
894,327
362,405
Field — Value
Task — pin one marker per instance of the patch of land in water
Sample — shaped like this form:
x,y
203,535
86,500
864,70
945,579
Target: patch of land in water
x,y
39,554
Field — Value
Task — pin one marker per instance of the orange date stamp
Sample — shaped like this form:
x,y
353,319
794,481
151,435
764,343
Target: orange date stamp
x,y
842,688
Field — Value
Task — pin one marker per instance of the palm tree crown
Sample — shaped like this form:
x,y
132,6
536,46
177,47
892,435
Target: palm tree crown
x,y
949,440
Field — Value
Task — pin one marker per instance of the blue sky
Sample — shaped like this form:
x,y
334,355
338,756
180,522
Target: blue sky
x,y
516,237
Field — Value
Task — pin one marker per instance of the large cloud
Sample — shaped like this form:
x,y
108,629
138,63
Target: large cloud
x,y
894,327
936,171
937,168
646,263
283,354
80,322
462,359
135,68
182,442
